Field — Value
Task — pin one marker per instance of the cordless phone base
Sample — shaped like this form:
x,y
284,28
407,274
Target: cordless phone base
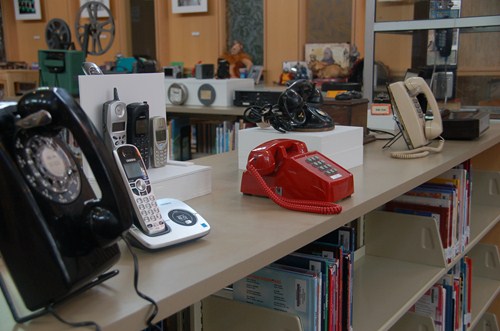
x,y
183,223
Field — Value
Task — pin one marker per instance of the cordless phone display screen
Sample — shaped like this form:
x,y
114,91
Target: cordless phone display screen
x,y
134,170
118,126
161,135
141,126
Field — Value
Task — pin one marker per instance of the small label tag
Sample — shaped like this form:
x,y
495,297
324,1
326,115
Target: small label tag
x,y
381,109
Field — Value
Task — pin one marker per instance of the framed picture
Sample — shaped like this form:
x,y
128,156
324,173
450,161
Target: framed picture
x,y
101,12
28,9
329,53
256,73
189,6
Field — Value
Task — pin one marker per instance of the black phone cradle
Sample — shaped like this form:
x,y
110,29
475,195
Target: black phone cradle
x,y
23,319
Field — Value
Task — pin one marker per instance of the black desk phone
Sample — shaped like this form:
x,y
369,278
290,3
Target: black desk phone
x,y
56,234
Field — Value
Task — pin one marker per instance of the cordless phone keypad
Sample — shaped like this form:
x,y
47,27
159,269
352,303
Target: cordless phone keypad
x,y
119,139
322,165
147,206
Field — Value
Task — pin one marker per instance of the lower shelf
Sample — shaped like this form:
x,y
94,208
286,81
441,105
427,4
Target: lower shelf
x,y
225,314
487,323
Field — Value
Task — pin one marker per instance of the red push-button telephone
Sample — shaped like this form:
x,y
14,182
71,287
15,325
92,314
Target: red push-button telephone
x,y
284,170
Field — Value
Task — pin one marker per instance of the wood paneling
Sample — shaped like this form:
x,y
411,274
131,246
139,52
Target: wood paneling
x,y
284,35
23,39
188,38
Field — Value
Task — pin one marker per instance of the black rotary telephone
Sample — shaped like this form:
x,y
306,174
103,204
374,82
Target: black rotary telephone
x,y
56,235
298,109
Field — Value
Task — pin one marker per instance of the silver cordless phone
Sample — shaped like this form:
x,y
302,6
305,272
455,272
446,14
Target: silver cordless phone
x,y
140,191
114,122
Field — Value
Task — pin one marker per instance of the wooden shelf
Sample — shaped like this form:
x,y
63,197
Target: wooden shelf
x,y
251,232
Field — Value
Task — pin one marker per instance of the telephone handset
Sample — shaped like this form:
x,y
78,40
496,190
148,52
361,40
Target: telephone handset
x,y
52,223
416,129
444,41
297,109
301,103
294,178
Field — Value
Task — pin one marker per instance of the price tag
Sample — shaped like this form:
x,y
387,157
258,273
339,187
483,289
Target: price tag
x,y
381,109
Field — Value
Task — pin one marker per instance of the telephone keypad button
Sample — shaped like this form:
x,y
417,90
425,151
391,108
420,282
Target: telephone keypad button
x,y
150,213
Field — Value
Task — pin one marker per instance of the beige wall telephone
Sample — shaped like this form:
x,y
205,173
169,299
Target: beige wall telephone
x,y
417,131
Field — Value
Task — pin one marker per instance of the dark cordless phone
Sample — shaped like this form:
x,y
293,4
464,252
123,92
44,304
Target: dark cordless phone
x,y
444,41
138,128
60,231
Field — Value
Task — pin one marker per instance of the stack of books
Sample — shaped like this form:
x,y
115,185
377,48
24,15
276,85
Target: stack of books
x,y
446,199
448,302
315,282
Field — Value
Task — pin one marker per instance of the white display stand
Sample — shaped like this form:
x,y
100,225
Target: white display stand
x,y
381,122
224,89
179,180
343,145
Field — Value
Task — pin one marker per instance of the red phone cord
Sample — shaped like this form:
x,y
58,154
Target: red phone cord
x,y
310,206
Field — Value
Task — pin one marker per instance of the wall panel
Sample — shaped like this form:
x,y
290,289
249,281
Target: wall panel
x,y
23,39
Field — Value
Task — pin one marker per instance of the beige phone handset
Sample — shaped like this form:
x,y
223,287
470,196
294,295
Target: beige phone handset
x,y
416,129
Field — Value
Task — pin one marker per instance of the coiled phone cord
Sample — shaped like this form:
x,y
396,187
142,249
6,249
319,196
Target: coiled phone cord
x,y
310,206
418,152
268,114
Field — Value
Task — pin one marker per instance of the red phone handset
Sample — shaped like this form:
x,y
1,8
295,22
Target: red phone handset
x,y
284,171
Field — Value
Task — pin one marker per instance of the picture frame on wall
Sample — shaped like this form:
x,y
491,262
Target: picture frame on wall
x,y
101,11
189,6
329,53
256,73
28,9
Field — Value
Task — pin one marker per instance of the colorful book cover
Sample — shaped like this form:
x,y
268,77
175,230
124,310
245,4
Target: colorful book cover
x,y
468,316
328,269
335,252
284,290
458,176
345,237
440,214
437,197
432,304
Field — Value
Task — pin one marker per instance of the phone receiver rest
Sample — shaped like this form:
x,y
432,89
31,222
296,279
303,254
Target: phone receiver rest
x,y
183,222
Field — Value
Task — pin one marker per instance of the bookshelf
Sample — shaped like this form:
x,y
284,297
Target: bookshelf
x,y
196,132
250,232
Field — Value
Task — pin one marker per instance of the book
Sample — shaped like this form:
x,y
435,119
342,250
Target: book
x,y
458,177
437,196
345,237
468,291
440,214
328,269
334,252
432,304
293,291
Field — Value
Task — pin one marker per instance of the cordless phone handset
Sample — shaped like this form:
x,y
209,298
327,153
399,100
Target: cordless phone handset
x,y
148,216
